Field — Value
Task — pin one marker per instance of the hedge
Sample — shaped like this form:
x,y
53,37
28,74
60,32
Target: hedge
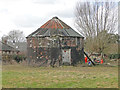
x,y
114,56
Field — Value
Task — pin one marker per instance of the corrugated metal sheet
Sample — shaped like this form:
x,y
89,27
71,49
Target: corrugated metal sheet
x,y
55,26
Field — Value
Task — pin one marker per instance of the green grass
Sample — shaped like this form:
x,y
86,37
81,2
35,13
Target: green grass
x,y
17,76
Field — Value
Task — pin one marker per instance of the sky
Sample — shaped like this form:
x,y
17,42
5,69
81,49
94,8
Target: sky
x,y
29,15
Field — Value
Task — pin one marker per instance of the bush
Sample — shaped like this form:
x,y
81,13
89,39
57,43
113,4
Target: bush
x,y
19,58
114,56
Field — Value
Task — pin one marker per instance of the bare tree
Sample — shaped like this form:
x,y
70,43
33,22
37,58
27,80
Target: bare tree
x,y
15,36
95,21
15,39
94,17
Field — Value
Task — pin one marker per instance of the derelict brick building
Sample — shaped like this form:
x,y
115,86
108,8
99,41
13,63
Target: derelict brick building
x,y
55,41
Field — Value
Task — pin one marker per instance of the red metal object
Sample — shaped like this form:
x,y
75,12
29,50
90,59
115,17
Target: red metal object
x,y
101,61
85,59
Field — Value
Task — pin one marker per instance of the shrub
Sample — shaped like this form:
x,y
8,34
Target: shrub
x,y
114,56
19,58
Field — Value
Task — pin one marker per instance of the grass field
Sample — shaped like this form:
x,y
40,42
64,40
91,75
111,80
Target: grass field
x,y
17,76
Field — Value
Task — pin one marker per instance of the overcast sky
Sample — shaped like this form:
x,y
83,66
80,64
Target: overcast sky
x,y
29,15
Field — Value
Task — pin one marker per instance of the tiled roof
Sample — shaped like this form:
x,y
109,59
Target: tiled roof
x,y
55,26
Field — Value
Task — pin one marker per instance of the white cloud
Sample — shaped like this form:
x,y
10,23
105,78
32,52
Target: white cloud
x,y
28,15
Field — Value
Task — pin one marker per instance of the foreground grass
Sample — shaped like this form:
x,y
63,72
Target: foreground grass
x,y
17,76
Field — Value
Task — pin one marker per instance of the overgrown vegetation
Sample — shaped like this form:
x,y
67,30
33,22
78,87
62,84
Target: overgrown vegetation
x,y
17,76
97,22
114,56
19,58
